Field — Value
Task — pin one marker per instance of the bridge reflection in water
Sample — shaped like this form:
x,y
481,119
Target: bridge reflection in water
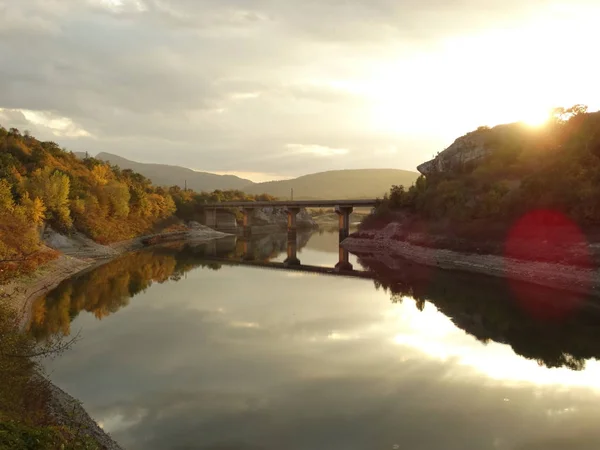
x,y
250,252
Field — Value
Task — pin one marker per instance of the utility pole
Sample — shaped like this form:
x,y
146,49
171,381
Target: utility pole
x,y
292,196
185,184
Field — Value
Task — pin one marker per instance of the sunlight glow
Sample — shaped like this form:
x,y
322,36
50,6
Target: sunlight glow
x,y
434,334
535,118
317,150
256,177
500,76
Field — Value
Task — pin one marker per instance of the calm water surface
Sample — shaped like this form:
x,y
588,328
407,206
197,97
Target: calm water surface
x,y
178,352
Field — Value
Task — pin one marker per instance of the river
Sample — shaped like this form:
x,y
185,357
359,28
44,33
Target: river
x,y
179,349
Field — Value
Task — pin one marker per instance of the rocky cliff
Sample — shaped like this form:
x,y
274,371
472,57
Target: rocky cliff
x,y
465,149
472,147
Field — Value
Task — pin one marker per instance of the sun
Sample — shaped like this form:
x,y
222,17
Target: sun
x,y
535,117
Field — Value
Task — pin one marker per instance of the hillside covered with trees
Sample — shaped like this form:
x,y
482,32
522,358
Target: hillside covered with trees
x,y
42,184
493,176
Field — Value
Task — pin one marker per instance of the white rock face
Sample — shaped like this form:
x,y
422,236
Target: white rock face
x,y
76,244
278,216
465,149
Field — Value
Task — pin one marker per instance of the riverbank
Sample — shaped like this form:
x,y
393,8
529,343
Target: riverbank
x,y
68,411
77,254
392,240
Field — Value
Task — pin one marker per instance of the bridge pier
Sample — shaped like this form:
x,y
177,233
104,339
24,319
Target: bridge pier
x,y
344,261
211,248
292,213
246,221
210,217
343,213
292,250
247,250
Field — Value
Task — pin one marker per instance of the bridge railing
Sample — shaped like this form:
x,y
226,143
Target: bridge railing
x,y
294,203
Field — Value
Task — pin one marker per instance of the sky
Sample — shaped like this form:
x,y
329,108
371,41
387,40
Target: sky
x,y
279,88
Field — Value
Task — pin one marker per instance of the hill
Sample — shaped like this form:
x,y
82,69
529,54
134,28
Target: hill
x,y
504,172
42,184
167,175
336,184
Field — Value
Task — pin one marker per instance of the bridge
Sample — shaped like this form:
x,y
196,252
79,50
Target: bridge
x,y
343,208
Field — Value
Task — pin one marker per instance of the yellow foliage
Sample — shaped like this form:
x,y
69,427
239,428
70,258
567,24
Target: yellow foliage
x,y
101,174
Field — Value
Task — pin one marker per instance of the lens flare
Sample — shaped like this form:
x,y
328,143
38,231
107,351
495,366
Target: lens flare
x,y
550,237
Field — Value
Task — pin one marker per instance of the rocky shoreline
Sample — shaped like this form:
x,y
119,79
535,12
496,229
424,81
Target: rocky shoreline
x,y
66,410
554,275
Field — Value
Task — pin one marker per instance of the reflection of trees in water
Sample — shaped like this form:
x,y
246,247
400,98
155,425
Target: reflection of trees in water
x,y
485,308
108,288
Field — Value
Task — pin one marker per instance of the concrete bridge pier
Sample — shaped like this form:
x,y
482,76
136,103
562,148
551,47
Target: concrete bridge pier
x,y
210,217
292,250
344,261
246,221
292,214
211,248
343,213
247,250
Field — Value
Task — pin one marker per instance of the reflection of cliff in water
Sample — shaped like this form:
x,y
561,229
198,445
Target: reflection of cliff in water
x,y
105,289
486,308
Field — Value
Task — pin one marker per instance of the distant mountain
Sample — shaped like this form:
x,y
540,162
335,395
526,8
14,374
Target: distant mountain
x,y
336,184
166,175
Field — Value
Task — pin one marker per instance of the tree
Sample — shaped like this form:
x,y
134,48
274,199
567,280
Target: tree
x,y
52,187
7,203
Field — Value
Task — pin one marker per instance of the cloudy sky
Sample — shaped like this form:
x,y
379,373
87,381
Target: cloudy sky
x,y
279,88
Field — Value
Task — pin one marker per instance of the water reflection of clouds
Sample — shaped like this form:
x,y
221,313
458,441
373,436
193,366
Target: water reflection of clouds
x,y
434,334
249,359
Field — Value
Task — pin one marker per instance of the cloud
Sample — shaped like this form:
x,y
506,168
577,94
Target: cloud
x,y
59,126
43,123
317,150
257,177
225,85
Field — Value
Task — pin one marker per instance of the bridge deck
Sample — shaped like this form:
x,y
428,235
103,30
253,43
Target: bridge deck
x,y
294,203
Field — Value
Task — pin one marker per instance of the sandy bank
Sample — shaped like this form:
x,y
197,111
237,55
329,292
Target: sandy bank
x,y
559,276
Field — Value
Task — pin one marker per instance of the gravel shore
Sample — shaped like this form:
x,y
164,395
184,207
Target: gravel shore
x,y
559,276
66,410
